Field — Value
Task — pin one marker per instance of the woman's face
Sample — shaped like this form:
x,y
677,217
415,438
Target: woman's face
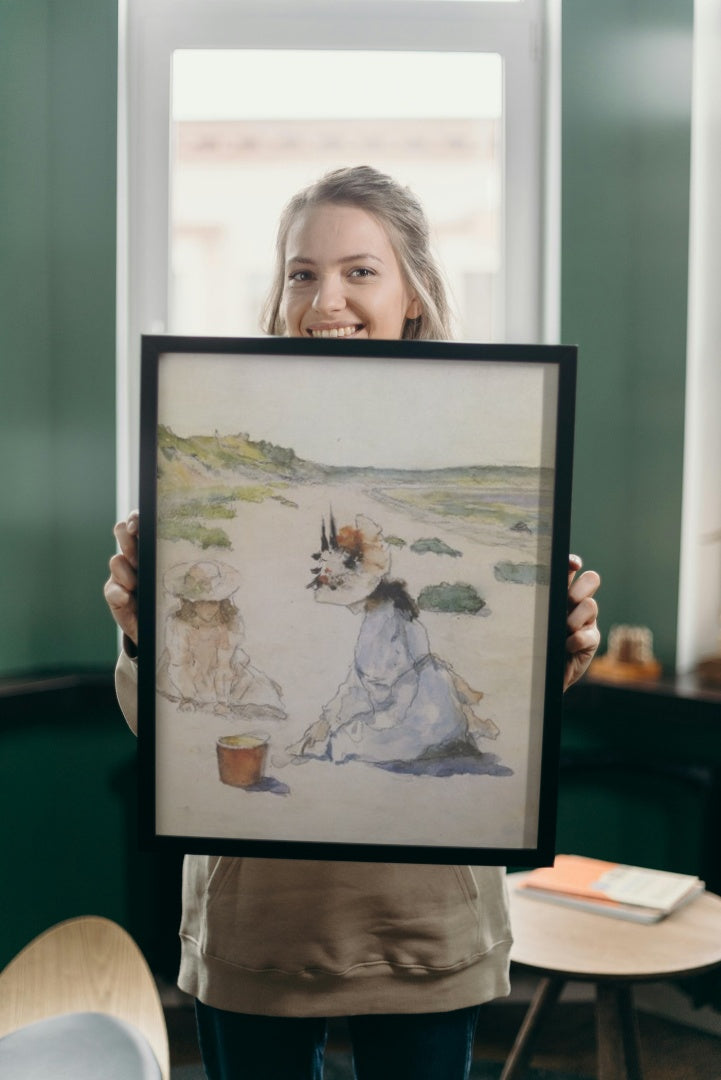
x,y
342,277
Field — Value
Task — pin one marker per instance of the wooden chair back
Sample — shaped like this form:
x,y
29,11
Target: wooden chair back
x,y
87,964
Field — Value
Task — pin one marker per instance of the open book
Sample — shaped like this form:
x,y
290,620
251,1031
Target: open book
x,y
608,888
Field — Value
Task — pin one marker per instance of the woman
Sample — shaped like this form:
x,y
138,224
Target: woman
x,y
399,702
272,948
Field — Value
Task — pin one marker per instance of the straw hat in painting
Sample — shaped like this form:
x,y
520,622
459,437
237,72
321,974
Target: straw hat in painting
x,y
206,580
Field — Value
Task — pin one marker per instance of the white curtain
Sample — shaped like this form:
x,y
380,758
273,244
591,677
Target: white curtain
x,y
700,583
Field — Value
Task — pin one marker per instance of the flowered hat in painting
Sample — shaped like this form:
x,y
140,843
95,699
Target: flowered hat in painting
x,y
351,562
206,580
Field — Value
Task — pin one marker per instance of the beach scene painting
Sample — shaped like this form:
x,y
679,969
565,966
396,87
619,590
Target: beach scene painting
x,y
352,564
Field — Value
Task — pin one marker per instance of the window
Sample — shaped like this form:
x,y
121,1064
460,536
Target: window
x,y
235,161
227,107
699,624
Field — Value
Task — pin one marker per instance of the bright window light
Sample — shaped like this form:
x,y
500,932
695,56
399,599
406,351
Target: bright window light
x,y
258,84
251,127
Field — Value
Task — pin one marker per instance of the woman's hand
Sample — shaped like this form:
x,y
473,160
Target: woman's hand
x,y
583,636
121,587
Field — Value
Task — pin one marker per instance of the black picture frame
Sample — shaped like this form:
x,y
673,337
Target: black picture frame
x,y
343,546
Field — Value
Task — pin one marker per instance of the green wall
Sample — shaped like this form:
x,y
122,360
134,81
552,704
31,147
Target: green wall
x,y
625,200
67,774
68,801
626,137
58,72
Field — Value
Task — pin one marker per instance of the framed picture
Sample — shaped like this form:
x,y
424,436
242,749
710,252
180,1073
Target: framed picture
x,y
352,597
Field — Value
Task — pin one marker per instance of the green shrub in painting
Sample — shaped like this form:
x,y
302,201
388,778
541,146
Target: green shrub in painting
x,y
457,598
521,573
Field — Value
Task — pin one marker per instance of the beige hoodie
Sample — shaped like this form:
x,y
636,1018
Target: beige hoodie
x,y
298,938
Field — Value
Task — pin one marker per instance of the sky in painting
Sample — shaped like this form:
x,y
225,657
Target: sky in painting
x,y
368,412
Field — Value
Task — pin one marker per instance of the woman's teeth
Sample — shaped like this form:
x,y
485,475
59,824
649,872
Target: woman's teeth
x,y
337,331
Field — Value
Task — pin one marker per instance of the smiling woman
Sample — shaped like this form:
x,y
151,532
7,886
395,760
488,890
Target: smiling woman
x,y
353,259
339,294
276,945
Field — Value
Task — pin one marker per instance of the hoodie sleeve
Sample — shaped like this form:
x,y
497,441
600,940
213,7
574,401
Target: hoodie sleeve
x,y
126,688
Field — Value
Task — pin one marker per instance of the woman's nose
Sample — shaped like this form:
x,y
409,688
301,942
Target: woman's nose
x,y
329,296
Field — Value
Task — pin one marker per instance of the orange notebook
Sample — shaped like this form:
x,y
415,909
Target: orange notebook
x,y
632,892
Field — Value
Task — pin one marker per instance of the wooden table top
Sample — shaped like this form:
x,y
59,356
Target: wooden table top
x,y
559,940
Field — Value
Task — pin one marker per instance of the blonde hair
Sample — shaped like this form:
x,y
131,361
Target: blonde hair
x,y
403,217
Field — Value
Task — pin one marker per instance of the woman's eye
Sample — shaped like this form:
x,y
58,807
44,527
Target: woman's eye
x,y
362,272
300,276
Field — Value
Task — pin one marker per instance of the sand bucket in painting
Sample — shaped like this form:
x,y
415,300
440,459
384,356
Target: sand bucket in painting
x,y
241,759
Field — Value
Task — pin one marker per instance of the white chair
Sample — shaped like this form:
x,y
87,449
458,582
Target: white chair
x,y
80,1002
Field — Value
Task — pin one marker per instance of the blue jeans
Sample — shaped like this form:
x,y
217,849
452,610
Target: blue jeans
x,y
415,1046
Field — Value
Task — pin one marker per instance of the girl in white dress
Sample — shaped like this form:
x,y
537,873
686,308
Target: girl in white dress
x,y
203,665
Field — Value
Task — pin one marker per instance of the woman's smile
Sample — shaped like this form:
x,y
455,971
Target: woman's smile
x,y
335,331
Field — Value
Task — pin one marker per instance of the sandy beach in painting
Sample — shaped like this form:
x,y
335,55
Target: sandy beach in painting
x,y
307,647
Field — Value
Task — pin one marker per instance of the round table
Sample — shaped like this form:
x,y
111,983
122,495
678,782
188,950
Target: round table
x,y
562,944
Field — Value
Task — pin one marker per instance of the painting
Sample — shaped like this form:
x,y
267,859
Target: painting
x,y
352,597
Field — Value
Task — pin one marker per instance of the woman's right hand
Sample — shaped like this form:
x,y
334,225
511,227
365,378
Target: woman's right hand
x,y
121,587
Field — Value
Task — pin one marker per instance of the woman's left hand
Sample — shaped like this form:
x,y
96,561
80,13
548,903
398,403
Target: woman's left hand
x,y
583,636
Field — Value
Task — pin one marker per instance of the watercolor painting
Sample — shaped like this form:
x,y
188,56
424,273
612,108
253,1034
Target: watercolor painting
x,y
352,602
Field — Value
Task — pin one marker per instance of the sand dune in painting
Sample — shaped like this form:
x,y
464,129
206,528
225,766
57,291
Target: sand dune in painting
x,y
203,480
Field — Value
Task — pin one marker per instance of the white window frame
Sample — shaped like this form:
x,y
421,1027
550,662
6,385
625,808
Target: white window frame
x,y
699,597
526,34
